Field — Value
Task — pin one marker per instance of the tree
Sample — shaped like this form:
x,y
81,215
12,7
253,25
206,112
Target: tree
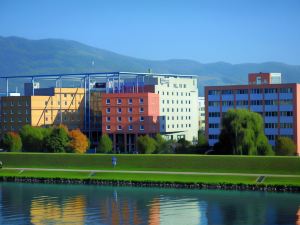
x,y
146,144
12,142
105,144
58,140
183,146
78,141
32,138
163,146
202,140
285,146
242,133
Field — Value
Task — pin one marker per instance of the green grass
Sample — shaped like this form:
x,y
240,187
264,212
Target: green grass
x,y
192,163
181,163
282,181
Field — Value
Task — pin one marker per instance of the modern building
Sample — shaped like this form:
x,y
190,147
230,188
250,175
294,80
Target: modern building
x,y
201,115
278,103
178,105
126,116
159,104
49,106
121,104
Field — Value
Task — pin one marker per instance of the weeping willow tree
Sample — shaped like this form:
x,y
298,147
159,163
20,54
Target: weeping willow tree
x,y
242,133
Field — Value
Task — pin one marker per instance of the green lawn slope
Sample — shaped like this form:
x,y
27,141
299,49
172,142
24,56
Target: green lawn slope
x,y
180,163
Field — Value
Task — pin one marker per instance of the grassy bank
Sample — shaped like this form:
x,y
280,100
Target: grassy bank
x,y
191,163
180,163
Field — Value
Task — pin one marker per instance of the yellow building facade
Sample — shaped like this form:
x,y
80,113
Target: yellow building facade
x,y
61,106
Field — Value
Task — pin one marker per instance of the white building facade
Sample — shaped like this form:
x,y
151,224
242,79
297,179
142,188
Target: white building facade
x,y
201,115
178,106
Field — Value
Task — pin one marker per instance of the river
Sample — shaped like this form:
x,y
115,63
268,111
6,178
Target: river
x,y
23,203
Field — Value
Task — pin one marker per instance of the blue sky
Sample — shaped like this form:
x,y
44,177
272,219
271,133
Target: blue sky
x,y
234,31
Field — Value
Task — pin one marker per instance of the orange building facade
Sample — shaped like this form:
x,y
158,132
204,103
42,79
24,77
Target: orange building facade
x,y
125,116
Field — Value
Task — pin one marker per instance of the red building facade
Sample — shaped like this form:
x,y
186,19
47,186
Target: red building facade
x,y
125,116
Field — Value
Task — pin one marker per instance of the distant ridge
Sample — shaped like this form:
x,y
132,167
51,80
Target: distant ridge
x,y
19,56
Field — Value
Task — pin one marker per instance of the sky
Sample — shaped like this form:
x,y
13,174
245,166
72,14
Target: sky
x,y
234,31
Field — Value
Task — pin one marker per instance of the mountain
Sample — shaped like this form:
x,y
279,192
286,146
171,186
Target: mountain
x,y
19,56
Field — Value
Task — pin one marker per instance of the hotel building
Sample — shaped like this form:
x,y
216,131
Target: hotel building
x,y
159,104
120,104
278,103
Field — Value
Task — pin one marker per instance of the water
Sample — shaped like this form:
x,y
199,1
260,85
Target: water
x,y
22,203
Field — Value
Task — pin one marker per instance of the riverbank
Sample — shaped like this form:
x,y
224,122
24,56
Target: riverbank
x,y
180,185
179,171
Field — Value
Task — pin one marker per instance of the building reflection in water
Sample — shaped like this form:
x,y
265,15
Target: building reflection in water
x,y
298,217
129,207
48,210
177,211
117,211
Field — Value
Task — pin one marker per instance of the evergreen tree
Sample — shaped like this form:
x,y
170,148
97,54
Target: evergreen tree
x,y
57,141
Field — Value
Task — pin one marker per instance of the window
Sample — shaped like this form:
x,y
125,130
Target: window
x,y
242,91
286,113
66,103
142,118
119,110
141,127
256,91
213,125
108,110
130,101
130,110
130,127
108,127
214,92
65,95
119,101
141,101
226,92
108,119
107,101
141,109
271,114
286,90
119,127
46,102
130,118
12,103
119,119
